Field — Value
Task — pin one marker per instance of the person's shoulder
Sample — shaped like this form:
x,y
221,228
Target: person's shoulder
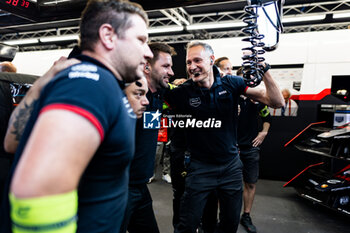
x,y
229,77
86,70
87,73
87,76
80,70
293,103
186,85
177,94
232,80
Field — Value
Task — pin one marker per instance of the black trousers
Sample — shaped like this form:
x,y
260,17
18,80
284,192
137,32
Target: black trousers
x,y
139,215
177,181
209,217
204,178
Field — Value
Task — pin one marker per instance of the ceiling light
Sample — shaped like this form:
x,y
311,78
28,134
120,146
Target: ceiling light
x,y
303,18
199,26
21,42
59,38
55,2
165,29
341,15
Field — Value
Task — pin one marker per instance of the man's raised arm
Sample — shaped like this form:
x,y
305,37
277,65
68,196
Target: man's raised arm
x,y
270,96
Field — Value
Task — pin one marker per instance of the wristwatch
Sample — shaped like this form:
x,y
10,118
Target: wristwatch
x,y
267,67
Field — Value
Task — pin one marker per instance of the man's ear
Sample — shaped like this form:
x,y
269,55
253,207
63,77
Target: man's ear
x,y
107,36
212,59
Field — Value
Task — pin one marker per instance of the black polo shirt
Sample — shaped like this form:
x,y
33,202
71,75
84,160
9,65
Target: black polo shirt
x,y
248,120
219,103
92,91
142,165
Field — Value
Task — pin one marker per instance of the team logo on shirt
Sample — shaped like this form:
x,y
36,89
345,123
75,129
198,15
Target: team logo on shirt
x,y
151,120
222,92
84,71
195,102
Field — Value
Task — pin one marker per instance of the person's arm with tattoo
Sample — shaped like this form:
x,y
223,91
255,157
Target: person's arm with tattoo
x,y
22,112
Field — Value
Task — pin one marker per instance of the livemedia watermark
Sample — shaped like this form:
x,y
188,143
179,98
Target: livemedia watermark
x,y
154,120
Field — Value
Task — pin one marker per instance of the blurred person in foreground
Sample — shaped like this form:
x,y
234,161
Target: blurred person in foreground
x,y
71,167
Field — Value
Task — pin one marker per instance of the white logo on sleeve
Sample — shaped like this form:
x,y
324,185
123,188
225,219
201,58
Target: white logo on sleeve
x,y
129,108
84,71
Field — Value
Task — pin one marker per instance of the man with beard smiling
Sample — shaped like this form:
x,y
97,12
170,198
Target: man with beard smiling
x,y
214,162
139,214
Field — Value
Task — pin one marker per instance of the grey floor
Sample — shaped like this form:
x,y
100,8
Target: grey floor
x,y
276,210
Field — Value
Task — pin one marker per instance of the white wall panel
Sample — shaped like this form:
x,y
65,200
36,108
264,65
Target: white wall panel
x,y
329,46
228,47
38,62
317,77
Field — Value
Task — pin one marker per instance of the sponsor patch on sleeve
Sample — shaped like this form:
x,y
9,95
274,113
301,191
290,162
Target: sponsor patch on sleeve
x,y
84,71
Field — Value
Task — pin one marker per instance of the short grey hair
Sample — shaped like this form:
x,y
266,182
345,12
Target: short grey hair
x,y
206,46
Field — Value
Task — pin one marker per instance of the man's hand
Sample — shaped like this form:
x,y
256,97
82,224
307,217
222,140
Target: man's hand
x,y
180,81
259,139
58,66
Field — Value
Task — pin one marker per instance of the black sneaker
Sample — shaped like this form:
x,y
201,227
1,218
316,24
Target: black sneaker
x,y
246,221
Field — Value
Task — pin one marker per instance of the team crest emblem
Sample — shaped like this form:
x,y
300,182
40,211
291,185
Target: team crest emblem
x,y
195,102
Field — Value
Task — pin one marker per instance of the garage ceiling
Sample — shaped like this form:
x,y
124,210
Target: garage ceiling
x,y
43,20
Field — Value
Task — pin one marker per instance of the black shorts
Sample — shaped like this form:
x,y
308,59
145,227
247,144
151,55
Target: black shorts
x,y
250,160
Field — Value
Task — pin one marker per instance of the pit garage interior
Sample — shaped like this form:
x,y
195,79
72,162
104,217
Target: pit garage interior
x,y
39,28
